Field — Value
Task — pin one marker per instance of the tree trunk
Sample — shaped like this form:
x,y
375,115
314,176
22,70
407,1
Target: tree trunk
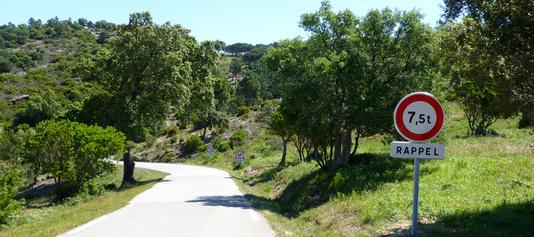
x,y
343,150
347,143
129,166
284,151
356,143
204,133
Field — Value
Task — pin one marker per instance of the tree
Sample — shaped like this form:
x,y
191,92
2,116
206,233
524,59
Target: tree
x,y
281,127
219,45
214,120
72,152
238,48
475,84
346,78
236,66
11,180
222,91
506,28
148,71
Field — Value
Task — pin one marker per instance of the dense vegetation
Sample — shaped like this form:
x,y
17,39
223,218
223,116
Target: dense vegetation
x,y
76,94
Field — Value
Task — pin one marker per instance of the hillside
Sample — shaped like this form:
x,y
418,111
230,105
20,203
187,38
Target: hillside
x,y
37,64
483,187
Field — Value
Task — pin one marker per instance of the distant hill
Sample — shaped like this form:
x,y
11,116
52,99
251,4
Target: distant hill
x,y
37,67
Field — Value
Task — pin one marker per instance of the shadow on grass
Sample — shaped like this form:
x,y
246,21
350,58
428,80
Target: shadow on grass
x,y
136,183
366,172
505,220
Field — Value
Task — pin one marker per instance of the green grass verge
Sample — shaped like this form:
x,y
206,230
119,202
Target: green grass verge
x,y
484,187
54,220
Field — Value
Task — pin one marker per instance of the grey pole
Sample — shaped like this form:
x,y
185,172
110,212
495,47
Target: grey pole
x,y
415,195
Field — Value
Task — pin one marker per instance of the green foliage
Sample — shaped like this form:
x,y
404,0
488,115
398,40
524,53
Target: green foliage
x,y
11,180
346,78
222,92
215,120
5,65
236,66
248,90
73,153
495,38
170,131
36,110
192,145
238,138
221,145
475,84
243,111
282,127
238,48
144,73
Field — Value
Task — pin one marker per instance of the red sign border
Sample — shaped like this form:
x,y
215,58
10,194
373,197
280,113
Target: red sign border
x,y
411,98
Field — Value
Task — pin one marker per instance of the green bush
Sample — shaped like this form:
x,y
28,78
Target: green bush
x,y
243,111
10,182
80,152
170,131
238,138
174,139
94,187
221,145
192,145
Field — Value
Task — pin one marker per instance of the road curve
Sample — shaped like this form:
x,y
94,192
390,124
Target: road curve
x,y
190,201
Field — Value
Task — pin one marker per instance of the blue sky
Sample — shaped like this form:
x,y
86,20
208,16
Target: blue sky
x,y
251,21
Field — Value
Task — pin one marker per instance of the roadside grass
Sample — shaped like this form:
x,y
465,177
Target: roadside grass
x,y
484,187
48,219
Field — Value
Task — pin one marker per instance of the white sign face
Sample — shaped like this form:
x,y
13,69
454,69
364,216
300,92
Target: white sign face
x,y
417,150
418,117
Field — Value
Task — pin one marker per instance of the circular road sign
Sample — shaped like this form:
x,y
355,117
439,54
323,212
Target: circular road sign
x,y
419,117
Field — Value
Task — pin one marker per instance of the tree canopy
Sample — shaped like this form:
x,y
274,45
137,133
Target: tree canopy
x,y
347,77
148,70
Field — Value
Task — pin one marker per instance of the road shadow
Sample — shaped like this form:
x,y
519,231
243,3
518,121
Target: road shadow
x,y
237,201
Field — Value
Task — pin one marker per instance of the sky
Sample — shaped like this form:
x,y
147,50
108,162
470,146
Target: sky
x,y
250,21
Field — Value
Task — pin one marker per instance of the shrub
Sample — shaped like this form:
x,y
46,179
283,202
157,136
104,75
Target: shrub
x,y
93,187
73,153
10,182
242,111
238,138
170,131
192,145
221,145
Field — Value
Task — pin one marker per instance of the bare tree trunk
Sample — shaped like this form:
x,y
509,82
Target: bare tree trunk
x,y
204,133
347,143
129,166
343,150
356,143
284,151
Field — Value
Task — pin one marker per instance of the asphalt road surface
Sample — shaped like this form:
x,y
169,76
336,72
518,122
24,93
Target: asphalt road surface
x,y
191,201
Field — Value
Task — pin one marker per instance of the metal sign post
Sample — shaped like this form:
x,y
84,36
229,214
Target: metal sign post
x,y
418,117
415,195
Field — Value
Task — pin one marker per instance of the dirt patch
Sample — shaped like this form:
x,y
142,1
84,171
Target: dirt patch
x,y
424,228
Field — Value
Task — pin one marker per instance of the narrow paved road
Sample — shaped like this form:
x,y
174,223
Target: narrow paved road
x,y
191,201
